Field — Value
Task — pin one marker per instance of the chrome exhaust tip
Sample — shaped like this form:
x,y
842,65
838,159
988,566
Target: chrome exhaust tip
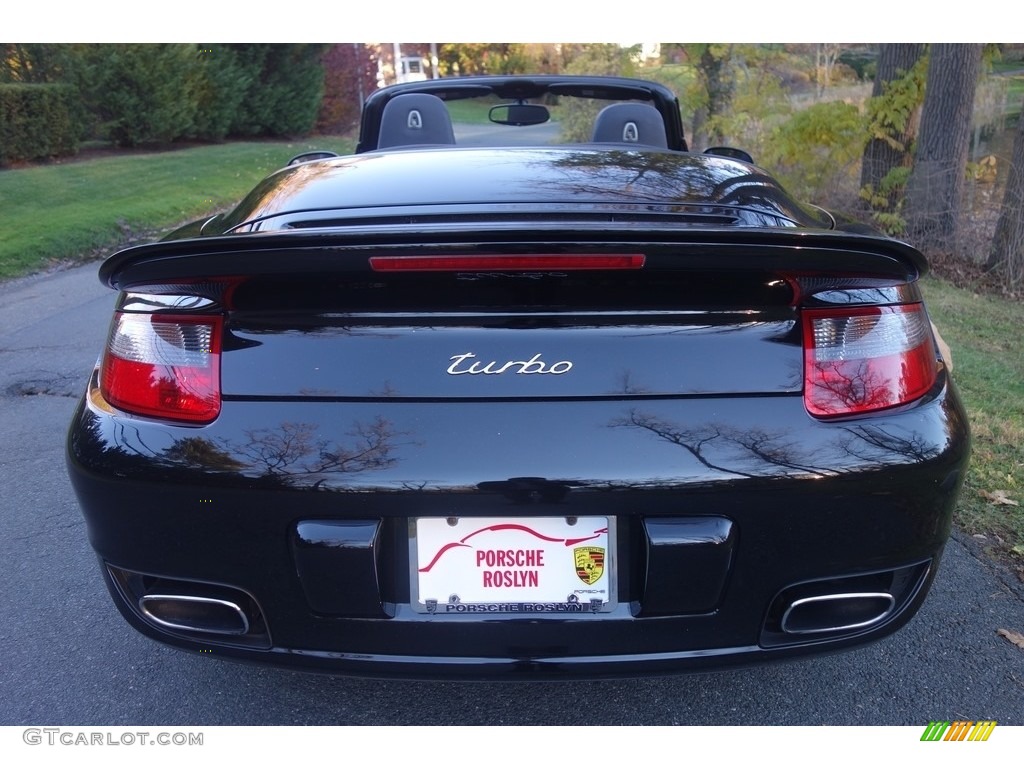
x,y
837,612
183,609
193,613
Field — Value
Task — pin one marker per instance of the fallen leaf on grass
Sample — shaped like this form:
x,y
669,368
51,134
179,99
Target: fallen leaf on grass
x,y
1014,637
999,497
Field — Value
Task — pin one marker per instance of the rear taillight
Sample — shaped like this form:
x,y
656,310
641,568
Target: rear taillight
x,y
864,359
163,366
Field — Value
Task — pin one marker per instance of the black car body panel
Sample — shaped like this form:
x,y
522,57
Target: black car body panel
x,y
739,402
492,182
805,505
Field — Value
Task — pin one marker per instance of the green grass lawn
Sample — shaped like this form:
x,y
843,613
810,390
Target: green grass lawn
x,y
65,211
988,358
471,110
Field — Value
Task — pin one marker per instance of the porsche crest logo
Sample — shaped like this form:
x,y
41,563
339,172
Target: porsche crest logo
x,y
589,563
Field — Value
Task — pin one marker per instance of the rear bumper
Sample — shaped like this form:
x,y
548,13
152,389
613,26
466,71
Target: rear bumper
x,y
789,509
581,647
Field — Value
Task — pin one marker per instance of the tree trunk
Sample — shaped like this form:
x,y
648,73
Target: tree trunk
x,y
714,73
882,155
826,55
937,180
1006,258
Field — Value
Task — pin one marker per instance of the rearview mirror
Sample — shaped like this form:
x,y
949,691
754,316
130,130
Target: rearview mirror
x,y
519,114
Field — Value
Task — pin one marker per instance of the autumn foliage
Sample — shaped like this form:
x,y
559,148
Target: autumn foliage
x,y
349,77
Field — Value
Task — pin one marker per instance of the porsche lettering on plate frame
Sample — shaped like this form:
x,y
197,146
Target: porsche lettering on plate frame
x,y
513,565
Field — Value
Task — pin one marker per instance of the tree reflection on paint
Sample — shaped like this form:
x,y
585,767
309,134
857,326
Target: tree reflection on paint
x,y
759,453
294,450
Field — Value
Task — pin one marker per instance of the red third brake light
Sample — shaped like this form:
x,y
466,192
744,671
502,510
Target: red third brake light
x,y
163,366
861,360
537,262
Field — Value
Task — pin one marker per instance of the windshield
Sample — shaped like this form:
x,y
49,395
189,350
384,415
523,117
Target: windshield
x,y
570,120
522,111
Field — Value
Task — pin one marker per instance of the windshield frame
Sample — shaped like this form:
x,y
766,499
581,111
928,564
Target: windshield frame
x,y
528,87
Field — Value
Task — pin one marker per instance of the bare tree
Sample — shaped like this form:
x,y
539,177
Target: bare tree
x,y
937,180
826,55
1006,259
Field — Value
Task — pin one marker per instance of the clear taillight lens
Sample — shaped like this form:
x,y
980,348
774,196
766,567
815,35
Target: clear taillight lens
x,y
865,359
163,366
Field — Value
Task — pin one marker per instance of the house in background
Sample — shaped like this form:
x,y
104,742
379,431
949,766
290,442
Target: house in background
x,y
416,62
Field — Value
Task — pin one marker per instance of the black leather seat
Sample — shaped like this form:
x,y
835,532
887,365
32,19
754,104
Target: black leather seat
x,y
415,119
639,124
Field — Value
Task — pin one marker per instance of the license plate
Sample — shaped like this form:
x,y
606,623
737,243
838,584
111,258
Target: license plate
x,y
513,565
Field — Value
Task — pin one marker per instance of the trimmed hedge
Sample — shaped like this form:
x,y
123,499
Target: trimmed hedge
x,y
140,92
37,121
287,84
156,93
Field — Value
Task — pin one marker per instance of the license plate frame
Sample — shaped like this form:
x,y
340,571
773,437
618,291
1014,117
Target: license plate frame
x,y
513,565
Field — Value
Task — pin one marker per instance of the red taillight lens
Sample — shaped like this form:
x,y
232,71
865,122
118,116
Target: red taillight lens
x,y
861,360
164,366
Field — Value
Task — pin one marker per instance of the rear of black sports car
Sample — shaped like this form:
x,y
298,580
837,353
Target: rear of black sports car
x,y
498,431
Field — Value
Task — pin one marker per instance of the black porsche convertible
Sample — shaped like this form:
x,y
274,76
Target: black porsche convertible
x,y
490,398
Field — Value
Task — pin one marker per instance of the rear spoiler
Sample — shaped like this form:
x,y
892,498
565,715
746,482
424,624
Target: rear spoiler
x,y
312,252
